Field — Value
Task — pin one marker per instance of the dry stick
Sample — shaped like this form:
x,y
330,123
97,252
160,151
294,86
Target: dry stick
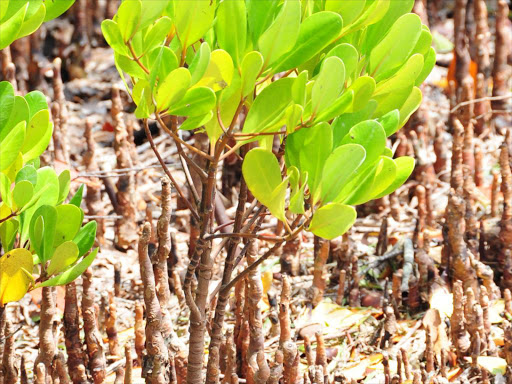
x,y
256,355
140,337
93,338
125,228
128,369
505,235
193,211
213,357
74,346
318,285
164,247
47,345
462,58
156,362
111,328
93,196
8,371
500,67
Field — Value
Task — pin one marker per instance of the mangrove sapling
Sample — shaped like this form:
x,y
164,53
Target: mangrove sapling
x,y
251,75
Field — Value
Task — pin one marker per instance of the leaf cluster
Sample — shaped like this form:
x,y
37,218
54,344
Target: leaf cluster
x,y
39,232
332,79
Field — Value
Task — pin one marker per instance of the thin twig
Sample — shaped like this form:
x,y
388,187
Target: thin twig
x,y
167,172
488,98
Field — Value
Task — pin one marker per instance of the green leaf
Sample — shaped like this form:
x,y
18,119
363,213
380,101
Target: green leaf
x,y
33,18
282,34
262,174
5,190
20,112
3,8
293,115
250,69
72,273
316,149
348,9
328,85
65,255
228,102
332,220
36,102
297,197
348,54
219,72
390,122
151,10
397,46
338,107
260,14
374,11
194,122
6,105
69,220
22,193
363,88
8,232
231,28
428,65
197,101
410,105
113,36
42,231
76,200
373,182
371,136
14,282
12,26
316,33
404,168
11,145
173,88
46,192
85,237
200,63
157,33
192,19
339,168
269,105
38,135
128,18
126,64
55,8
299,89
161,61
64,183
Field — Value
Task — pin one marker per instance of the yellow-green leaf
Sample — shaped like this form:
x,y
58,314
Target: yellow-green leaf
x,y
14,283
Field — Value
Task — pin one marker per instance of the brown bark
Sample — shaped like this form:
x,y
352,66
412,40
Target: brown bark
x,y
156,360
458,332
47,345
140,337
321,253
125,228
8,371
500,70
111,327
62,146
40,374
505,235
60,370
74,346
230,371
256,354
341,287
128,368
93,196
495,190
93,338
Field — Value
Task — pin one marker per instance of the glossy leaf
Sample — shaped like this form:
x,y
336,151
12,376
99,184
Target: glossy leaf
x,y
219,73
404,168
193,18
64,256
64,183
72,273
22,193
328,84
269,105
332,220
200,63
113,36
6,104
42,231
263,177
280,37
231,28
197,101
69,220
128,18
38,135
14,282
76,200
55,8
339,168
250,69
11,145
85,237
315,33
173,88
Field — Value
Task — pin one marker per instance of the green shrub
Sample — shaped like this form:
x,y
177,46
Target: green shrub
x,y
348,76
39,232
